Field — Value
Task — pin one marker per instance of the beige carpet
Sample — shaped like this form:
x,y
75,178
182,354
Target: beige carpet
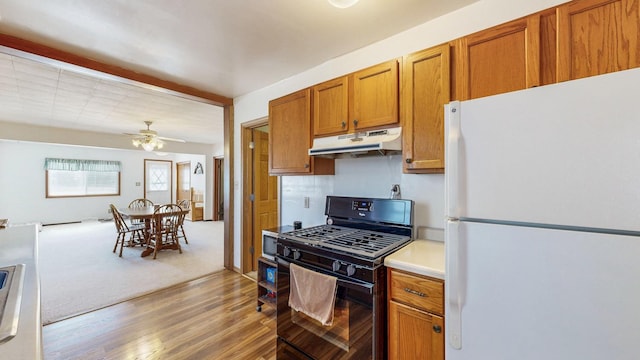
x,y
79,273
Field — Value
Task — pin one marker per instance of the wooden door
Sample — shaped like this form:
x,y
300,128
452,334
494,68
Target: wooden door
x,y
373,98
597,37
414,334
426,89
498,60
331,107
265,207
183,181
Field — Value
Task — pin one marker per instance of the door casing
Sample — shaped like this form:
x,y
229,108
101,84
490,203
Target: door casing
x,y
248,235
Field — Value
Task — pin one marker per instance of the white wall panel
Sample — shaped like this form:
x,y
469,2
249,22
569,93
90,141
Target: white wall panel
x,y
22,182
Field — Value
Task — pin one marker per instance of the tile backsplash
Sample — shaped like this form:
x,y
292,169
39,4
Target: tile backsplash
x,y
371,176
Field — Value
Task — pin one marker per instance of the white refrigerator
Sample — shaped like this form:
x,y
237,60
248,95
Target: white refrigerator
x,y
542,226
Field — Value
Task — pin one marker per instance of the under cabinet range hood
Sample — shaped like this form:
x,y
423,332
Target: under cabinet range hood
x,y
382,142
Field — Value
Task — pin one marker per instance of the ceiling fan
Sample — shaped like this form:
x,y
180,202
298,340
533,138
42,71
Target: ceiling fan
x,y
149,139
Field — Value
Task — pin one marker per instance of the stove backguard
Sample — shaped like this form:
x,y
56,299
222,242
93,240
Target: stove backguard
x,y
393,216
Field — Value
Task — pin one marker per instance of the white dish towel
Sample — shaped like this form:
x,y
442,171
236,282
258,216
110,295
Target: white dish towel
x,y
312,293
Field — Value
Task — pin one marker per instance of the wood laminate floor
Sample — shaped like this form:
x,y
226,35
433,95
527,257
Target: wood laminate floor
x,y
213,317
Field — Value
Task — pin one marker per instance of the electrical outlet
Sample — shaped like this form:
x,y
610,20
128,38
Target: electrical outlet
x,y
137,183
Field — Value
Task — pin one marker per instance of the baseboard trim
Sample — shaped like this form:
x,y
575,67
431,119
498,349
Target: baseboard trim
x,y
62,223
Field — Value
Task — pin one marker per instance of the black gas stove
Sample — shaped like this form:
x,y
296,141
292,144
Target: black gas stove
x,y
351,246
364,227
339,250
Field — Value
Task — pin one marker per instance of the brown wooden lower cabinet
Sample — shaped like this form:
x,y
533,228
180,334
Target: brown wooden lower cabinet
x,y
416,321
412,334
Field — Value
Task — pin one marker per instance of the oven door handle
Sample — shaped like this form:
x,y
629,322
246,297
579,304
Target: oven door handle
x,y
356,286
362,287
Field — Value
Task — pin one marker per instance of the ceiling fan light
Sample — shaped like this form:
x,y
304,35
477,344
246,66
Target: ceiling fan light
x,y
149,140
342,4
148,146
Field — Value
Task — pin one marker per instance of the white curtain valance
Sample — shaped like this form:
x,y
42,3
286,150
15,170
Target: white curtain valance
x,y
81,165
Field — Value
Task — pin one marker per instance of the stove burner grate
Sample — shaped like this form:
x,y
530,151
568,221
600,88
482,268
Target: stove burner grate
x,y
366,243
371,244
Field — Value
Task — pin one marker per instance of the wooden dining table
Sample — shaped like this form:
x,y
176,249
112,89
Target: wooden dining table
x,y
147,214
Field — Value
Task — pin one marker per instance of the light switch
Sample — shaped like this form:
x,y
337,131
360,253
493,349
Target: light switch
x,y
306,202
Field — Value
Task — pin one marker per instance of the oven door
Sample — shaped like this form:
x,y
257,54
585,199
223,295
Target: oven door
x,y
355,329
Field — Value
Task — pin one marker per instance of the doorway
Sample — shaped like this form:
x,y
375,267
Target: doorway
x,y
218,189
158,181
260,193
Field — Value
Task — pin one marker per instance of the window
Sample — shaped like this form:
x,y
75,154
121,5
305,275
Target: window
x,y
158,177
70,177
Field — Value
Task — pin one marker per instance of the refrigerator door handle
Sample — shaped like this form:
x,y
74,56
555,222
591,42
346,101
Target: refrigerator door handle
x,y
452,159
454,284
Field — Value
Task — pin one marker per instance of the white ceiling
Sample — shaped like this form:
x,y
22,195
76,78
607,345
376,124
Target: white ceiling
x,y
41,94
227,47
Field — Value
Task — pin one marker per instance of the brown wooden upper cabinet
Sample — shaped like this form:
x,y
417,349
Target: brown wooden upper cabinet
x,y
362,100
425,90
500,59
290,137
331,107
597,37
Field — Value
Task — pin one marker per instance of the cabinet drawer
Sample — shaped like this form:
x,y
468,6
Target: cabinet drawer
x,y
418,291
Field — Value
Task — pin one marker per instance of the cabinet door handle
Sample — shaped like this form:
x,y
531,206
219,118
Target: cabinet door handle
x,y
408,160
415,292
355,123
437,328
306,166
344,124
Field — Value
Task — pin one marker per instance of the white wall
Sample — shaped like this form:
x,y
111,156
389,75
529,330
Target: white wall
x,y
22,181
362,177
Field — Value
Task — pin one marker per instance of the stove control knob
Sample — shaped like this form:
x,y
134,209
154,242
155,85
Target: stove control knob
x,y
296,254
351,269
286,251
336,265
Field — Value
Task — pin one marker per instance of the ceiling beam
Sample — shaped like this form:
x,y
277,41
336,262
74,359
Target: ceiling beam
x,y
74,62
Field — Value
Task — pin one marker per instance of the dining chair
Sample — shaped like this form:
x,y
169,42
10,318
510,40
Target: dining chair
x,y
185,205
164,228
135,231
140,203
137,204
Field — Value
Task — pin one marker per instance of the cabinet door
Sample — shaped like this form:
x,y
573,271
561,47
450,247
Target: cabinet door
x,y
290,137
331,107
414,334
290,133
597,37
374,96
498,60
425,91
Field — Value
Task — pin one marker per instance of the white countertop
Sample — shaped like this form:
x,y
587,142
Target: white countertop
x,y
19,245
424,257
